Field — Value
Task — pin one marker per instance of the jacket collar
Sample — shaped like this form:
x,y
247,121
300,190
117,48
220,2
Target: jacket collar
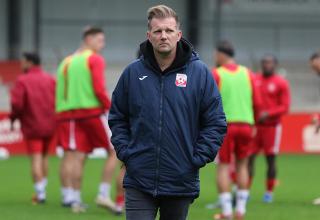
x,y
34,70
184,54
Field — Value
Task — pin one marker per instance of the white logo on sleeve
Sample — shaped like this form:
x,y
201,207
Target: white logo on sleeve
x,y
143,77
181,80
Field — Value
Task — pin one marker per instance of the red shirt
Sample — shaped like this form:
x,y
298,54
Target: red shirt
x,y
32,102
275,95
256,96
97,66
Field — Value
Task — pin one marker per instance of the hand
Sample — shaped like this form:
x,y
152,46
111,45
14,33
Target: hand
x,y
263,117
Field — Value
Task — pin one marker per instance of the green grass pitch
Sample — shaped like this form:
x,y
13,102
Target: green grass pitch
x,y
299,183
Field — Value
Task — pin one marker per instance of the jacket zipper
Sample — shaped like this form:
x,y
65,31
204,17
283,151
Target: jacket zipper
x,y
160,137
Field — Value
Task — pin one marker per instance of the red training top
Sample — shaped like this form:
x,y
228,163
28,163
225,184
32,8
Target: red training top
x,y
97,66
275,94
32,102
256,99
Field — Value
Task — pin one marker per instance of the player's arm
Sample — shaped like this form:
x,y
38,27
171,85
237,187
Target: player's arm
x,y
17,102
119,118
256,97
284,103
97,67
213,125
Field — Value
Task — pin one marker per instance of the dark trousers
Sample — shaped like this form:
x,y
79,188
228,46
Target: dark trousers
x,y
142,206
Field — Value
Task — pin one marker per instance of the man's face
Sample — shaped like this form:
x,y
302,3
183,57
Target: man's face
x,y
219,58
268,65
315,65
164,35
25,65
96,42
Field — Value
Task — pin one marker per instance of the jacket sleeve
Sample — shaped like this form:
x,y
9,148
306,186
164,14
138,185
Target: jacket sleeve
x,y
212,121
119,118
284,104
17,100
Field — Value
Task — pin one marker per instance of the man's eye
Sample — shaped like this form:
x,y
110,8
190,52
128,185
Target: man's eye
x,y
169,31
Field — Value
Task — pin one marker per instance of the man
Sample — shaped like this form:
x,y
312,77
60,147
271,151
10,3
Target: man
x,y
315,66
240,102
32,103
167,122
275,96
82,105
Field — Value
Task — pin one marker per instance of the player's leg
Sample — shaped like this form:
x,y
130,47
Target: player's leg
x,y
271,140
104,197
271,177
66,139
38,177
79,161
251,168
243,148
223,176
255,148
66,174
35,147
242,192
120,191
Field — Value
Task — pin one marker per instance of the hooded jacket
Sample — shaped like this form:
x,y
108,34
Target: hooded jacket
x,y
166,124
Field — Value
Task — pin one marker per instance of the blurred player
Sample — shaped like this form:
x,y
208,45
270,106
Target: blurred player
x,y
240,100
32,103
275,96
82,105
315,65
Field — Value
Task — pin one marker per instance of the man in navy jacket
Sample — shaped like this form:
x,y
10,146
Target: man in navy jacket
x,y
167,121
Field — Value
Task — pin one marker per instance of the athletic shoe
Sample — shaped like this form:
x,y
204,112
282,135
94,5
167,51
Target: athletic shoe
x,y
239,216
268,198
77,207
107,203
66,204
214,205
316,201
36,201
222,217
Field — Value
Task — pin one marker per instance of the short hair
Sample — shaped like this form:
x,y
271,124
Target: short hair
x,y
32,57
273,57
226,47
314,56
162,11
91,30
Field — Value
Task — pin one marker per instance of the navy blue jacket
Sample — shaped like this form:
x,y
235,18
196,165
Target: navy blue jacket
x,y
162,131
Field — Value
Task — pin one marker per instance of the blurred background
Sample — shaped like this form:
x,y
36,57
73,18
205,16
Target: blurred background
x,y
287,28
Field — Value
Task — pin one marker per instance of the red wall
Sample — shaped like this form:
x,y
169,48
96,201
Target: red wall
x,y
298,135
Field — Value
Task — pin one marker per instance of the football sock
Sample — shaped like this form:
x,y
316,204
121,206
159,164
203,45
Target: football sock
x,y
77,196
270,185
40,190
226,203
67,195
242,198
104,190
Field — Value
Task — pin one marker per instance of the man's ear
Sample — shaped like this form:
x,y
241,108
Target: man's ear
x,y
148,35
179,35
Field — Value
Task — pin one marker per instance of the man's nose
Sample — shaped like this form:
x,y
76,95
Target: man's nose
x,y
163,35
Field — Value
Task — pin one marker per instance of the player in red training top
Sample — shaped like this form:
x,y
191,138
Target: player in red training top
x,y
241,102
32,103
275,95
82,105
315,66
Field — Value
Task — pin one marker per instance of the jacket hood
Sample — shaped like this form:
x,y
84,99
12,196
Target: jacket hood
x,y
185,53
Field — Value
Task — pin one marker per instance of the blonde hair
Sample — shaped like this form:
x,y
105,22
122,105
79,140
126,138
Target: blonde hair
x,y
162,11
